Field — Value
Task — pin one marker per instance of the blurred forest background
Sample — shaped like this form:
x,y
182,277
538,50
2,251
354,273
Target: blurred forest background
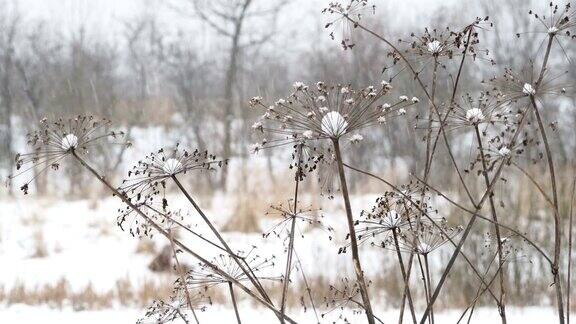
x,y
177,66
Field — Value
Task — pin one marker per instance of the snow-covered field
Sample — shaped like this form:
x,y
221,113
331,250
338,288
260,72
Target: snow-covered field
x,y
26,314
44,241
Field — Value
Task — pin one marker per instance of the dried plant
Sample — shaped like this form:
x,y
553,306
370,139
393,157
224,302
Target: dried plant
x,y
498,121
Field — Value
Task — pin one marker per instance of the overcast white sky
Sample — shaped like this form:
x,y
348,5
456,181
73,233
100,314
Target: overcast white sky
x,y
106,16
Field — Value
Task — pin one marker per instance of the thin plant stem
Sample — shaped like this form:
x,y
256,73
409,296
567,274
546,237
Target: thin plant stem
x,y
404,277
233,297
429,282
502,302
472,220
308,290
416,205
480,291
568,291
292,233
557,221
430,120
428,96
241,262
430,155
181,274
184,317
352,234
452,98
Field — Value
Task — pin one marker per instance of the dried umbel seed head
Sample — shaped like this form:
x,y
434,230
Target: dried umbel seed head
x,y
498,146
204,277
468,111
324,112
346,15
56,139
390,214
306,217
168,311
559,22
513,86
155,168
553,30
427,237
504,151
434,46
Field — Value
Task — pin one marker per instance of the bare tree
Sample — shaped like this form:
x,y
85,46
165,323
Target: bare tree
x,y
9,32
231,20
35,70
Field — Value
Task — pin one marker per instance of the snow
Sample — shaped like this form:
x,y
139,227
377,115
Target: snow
x,y
81,245
218,314
434,47
334,124
171,166
528,89
69,141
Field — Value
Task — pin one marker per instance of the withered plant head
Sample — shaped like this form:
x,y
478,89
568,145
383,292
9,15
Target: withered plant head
x,y
344,293
152,171
307,216
145,186
428,237
312,116
557,22
326,112
513,247
203,277
339,13
177,307
499,147
57,139
438,45
155,206
391,214
513,87
481,111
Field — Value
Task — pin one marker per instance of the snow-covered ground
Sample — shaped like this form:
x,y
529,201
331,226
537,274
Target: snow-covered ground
x,y
83,246
25,314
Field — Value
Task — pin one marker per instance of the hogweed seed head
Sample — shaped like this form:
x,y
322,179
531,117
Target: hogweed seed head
x,y
325,112
55,140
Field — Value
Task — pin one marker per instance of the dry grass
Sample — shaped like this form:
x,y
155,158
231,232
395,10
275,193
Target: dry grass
x,y
40,250
146,246
60,295
249,201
